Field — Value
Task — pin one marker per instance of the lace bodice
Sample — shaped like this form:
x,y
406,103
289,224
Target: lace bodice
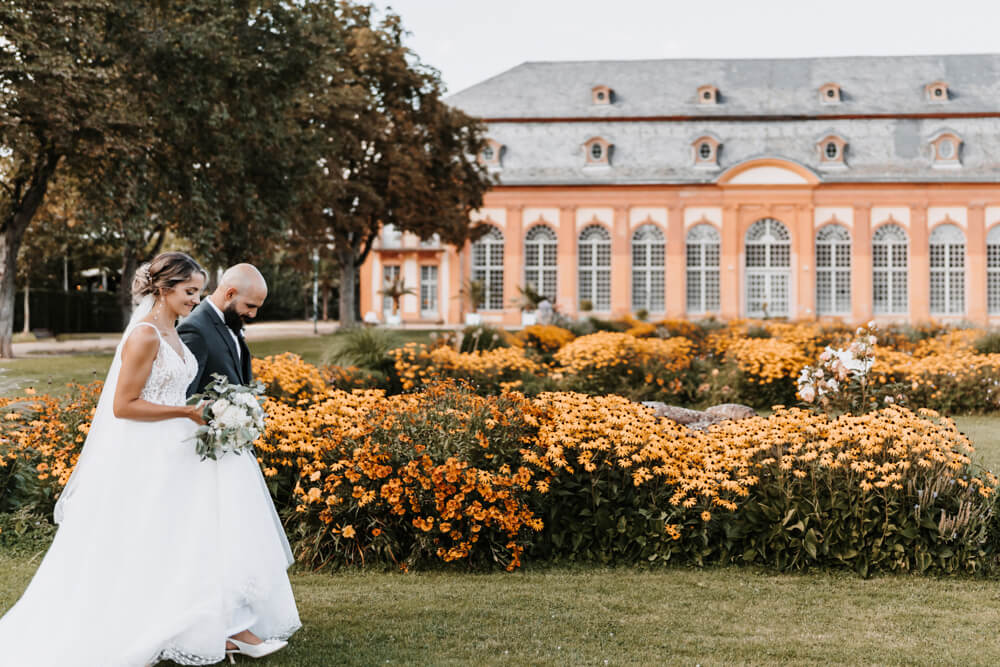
x,y
171,375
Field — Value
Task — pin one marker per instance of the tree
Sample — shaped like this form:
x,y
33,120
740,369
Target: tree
x,y
378,145
63,99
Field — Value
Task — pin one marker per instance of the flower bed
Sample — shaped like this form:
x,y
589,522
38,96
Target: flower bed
x,y
448,476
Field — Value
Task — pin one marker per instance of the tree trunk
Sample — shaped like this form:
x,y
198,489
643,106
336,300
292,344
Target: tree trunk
x,y
12,231
326,303
9,244
348,280
27,308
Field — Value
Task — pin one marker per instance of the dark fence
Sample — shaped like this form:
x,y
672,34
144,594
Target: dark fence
x,y
69,312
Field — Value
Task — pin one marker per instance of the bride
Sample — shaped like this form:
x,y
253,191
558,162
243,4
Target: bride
x,y
159,555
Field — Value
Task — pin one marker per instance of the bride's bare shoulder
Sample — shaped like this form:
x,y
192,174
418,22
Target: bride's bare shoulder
x,y
142,342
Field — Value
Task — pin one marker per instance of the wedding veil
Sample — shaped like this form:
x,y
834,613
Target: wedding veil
x,y
104,427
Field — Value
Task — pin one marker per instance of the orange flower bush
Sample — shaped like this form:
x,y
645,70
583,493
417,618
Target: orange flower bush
x,y
619,363
888,490
406,479
545,338
417,366
446,475
40,442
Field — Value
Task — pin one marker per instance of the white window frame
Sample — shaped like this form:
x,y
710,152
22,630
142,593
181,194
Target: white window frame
x,y
702,250
771,237
487,267
594,267
993,270
541,261
891,261
833,270
428,290
648,267
389,273
946,251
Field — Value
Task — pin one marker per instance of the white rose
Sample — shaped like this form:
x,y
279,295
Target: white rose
x,y
219,406
231,417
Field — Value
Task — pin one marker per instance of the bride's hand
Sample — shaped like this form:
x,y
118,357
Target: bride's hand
x,y
193,412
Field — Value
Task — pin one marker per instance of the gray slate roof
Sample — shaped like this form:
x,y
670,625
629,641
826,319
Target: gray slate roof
x,y
651,151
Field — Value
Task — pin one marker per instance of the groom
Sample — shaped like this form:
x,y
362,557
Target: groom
x,y
214,330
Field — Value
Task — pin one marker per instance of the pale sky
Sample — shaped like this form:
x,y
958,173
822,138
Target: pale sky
x,y
472,40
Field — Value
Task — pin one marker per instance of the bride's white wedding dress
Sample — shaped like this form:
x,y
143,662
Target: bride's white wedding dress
x,y
159,555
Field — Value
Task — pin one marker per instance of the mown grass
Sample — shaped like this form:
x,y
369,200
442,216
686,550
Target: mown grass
x,y
51,374
672,615
625,616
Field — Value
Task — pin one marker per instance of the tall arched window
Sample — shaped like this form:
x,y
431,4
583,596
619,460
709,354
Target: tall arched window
x,y
541,261
889,270
594,267
702,269
647,269
768,265
833,271
487,268
993,270
947,252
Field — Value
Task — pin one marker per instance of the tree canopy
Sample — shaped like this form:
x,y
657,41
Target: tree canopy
x,y
247,129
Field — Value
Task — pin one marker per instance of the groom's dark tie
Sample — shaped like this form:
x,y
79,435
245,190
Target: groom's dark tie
x,y
245,366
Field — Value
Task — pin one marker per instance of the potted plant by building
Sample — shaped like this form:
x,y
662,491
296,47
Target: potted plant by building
x,y
527,301
474,293
395,290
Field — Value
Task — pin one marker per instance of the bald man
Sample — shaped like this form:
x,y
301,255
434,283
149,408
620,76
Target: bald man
x,y
214,330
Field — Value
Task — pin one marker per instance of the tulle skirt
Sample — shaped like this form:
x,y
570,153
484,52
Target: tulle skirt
x,y
159,555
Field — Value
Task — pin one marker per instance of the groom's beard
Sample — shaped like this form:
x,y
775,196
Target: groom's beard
x,y
233,319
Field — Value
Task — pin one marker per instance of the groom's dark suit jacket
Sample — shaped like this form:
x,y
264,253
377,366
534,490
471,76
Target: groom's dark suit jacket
x,y
207,336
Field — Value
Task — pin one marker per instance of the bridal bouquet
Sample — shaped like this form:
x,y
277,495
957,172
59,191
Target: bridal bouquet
x,y
233,416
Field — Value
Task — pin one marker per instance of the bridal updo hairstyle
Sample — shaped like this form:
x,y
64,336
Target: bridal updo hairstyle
x,y
166,270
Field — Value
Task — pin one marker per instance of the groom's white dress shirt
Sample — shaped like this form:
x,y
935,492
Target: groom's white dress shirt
x,y
239,353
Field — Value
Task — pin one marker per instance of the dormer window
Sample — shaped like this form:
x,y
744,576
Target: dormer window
x,y
601,95
490,155
706,151
708,95
945,147
937,91
598,151
829,93
831,152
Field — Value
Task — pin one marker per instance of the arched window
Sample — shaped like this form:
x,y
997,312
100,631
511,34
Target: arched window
x,y
594,267
487,268
647,269
833,271
768,266
541,261
889,270
993,270
947,251
702,269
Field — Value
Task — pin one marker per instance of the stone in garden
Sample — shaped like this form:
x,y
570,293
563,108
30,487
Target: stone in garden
x,y
733,411
674,413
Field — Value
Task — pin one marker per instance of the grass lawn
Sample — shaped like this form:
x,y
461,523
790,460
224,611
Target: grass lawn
x,y
626,617
51,374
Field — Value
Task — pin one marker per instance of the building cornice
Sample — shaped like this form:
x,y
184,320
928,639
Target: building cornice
x,y
741,118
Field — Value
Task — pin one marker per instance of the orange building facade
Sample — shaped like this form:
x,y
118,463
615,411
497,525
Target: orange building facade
x,y
725,194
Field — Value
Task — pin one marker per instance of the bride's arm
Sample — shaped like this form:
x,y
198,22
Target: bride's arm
x,y
137,361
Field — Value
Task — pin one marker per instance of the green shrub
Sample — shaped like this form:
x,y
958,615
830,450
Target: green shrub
x,y
482,337
988,343
364,348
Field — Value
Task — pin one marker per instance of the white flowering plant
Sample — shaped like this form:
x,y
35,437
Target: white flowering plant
x,y
842,379
233,417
